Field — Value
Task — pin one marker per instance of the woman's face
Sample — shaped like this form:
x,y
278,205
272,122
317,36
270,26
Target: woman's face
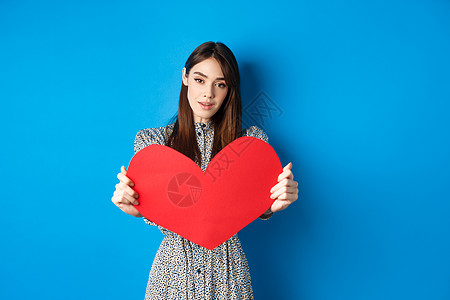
x,y
206,89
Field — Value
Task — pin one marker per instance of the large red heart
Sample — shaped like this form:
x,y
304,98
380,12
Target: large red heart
x,y
208,207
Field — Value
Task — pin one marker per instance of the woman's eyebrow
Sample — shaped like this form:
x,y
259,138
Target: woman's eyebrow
x,y
200,73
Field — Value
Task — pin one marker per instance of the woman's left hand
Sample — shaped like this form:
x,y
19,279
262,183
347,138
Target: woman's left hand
x,y
285,191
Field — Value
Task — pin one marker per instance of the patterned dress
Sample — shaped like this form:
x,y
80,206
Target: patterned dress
x,y
182,269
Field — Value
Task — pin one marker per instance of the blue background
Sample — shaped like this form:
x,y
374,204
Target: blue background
x,y
363,96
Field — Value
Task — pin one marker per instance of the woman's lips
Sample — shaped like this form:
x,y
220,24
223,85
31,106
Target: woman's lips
x,y
206,107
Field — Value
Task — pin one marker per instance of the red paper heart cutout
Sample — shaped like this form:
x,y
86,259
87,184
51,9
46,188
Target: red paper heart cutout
x,y
208,207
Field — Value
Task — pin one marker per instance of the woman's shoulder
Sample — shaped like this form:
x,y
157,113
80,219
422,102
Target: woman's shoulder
x,y
256,132
153,135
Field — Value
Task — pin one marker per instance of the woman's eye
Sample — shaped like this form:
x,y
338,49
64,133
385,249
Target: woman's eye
x,y
201,81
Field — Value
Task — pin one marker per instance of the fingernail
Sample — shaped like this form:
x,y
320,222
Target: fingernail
x,y
136,196
136,203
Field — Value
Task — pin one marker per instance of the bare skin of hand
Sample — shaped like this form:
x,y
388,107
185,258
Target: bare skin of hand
x,y
285,191
124,196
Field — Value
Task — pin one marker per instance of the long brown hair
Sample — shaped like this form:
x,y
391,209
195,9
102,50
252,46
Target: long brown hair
x,y
227,120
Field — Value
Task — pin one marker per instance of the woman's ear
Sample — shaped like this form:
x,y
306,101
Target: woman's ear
x,y
184,78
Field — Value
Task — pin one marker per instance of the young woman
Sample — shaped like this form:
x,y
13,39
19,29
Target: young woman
x,y
209,118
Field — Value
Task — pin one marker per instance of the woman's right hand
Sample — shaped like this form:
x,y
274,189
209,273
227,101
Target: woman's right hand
x,y
124,196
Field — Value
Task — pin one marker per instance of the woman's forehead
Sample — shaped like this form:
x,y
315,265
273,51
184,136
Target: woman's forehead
x,y
208,68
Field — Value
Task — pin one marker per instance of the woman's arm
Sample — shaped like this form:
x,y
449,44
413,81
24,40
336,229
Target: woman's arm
x,y
266,215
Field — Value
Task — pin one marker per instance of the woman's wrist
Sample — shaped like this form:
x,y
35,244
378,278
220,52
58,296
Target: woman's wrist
x,y
267,214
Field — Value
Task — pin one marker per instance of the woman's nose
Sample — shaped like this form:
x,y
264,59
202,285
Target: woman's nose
x,y
208,92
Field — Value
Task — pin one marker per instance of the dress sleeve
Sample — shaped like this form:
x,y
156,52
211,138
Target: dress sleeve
x,y
144,138
257,132
148,136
